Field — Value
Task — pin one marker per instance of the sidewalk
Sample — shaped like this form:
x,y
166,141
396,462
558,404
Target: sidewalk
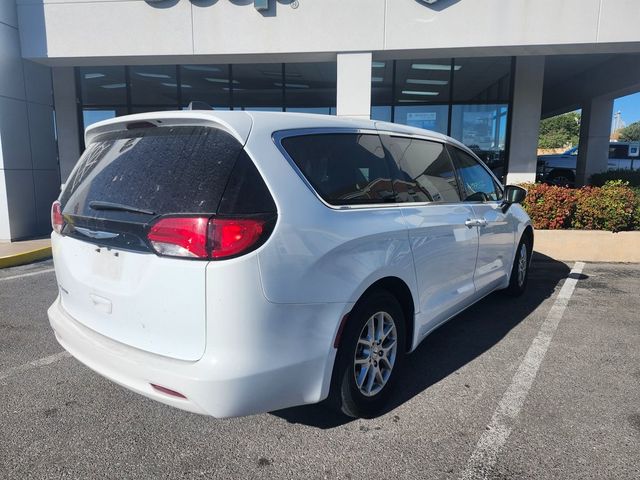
x,y
19,253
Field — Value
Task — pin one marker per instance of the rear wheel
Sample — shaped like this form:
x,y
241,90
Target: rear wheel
x,y
520,269
370,355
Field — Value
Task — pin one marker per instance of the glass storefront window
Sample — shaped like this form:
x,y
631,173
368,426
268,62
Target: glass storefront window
x,y
258,86
430,117
316,110
422,81
310,87
298,87
103,85
94,115
482,128
154,85
206,83
381,113
151,108
381,90
483,80
425,93
108,92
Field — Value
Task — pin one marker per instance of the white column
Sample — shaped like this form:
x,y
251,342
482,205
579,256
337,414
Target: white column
x,y
14,149
29,175
354,85
525,119
64,96
595,133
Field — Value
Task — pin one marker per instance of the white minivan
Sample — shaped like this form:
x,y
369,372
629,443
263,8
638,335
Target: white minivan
x,y
236,262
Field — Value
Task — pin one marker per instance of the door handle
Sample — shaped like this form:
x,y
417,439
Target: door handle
x,y
475,222
471,222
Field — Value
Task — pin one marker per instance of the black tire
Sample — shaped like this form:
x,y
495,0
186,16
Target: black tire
x,y
518,284
345,394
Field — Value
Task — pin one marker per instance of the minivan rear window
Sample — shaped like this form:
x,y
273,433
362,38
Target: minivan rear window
x,y
182,169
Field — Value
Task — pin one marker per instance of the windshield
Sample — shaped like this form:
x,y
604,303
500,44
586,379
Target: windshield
x,y
571,151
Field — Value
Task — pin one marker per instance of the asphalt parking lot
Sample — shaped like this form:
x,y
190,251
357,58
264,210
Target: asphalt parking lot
x,y
544,386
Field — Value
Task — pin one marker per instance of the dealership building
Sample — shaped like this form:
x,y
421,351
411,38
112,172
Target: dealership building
x,y
482,71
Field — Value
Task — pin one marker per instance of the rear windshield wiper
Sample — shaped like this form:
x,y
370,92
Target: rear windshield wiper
x,y
98,205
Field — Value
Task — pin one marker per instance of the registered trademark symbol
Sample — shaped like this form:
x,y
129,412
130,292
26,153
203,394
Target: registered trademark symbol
x,y
295,4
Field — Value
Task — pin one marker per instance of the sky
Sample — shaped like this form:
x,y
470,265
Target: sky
x,y
629,106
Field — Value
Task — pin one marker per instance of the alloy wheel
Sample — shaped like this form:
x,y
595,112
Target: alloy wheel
x,y
522,264
375,354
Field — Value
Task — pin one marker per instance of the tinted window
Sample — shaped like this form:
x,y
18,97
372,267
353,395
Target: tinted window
x,y
154,85
425,172
619,151
343,168
162,169
477,183
246,192
103,85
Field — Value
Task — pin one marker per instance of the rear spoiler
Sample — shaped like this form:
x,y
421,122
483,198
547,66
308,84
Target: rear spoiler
x,y
238,123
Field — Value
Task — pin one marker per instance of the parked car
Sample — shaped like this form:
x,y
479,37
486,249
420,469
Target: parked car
x,y
561,169
230,263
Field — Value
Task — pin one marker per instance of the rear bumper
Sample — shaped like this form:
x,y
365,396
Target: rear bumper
x,y
226,385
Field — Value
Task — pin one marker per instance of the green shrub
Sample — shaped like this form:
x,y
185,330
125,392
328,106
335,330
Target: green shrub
x,y
636,213
610,207
614,207
630,176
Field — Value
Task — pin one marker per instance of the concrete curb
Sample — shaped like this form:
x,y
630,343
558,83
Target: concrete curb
x,y
588,245
25,257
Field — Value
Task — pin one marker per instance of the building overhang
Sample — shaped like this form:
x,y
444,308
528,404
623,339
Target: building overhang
x,y
59,32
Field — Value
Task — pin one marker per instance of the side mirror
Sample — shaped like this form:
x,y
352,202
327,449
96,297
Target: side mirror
x,y
513,194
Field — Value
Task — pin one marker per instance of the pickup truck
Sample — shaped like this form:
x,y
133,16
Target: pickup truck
x,y
560,169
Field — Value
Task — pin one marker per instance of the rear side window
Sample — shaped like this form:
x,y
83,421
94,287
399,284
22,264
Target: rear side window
x,y
343,168
246,192
162,170
619,152
425,172
478,185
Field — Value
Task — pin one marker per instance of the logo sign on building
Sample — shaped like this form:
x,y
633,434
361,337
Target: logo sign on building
x,y
264,4
261,4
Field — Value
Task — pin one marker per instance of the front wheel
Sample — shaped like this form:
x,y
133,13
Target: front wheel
x,y
370,355
520,270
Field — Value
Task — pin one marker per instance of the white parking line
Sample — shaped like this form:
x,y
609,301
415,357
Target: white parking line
x,y
495,436
34,364
46,270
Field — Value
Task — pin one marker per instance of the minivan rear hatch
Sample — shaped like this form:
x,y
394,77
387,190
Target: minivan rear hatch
x,y
110,278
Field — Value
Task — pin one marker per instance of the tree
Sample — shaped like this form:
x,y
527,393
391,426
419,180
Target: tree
x,y
561,131
630,133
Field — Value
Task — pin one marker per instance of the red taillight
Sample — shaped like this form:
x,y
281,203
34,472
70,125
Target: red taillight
x,y
180,236
57,221
201,237
230,237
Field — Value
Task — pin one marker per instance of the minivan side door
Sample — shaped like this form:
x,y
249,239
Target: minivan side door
x,y
444,248
496,228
